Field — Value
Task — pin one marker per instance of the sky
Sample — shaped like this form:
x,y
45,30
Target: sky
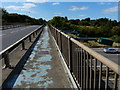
x,y
73,10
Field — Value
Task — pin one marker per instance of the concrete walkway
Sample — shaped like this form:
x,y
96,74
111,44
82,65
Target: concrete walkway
x,y
43,68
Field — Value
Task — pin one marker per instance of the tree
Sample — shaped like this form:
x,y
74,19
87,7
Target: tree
x,y
86,19
17,18
66,18
3,11
116,30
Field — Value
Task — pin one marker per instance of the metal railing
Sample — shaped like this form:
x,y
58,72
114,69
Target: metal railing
x,y
89,69
4,54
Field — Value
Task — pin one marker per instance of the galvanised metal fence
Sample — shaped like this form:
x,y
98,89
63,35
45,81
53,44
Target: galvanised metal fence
x,y
4,54
89,69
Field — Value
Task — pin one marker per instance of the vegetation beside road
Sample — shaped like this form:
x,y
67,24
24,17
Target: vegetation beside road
x,y
102,27
12,18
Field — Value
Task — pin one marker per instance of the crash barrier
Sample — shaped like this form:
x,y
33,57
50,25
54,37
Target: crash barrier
x,y
4,54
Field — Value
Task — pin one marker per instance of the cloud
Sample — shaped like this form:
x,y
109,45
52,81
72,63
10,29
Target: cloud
x,y
24,7
111,10
37,1
28,5
81,15
55,3
103,3
75,8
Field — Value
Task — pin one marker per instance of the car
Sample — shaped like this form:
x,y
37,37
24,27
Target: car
x,y
110,50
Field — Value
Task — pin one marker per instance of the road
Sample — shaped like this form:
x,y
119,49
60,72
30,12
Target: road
x,y
114,57
10,36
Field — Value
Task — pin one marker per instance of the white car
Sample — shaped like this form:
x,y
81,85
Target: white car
x,y
110,50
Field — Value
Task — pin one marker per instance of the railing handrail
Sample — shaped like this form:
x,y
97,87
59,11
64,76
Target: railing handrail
x,y
6,49
109,63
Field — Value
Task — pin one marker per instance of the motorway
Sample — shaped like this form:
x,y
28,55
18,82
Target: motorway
x,y
10,36
114,57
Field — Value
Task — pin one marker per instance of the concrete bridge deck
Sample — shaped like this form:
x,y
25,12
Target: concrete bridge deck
x,y
43,69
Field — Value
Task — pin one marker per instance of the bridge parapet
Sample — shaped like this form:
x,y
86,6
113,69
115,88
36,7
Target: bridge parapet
x,y
89,68
4,54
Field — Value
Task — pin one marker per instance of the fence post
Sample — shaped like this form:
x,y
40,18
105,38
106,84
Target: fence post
x,y
30,38
119,82
60,42
23,45
70,54
56,36
6,60
34,34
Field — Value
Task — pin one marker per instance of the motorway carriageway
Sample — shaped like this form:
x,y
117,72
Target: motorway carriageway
x,y
10,36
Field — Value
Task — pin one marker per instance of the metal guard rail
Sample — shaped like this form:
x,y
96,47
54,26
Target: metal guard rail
x,y
89,69
4,53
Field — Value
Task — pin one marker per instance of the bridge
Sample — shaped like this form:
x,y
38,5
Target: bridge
x,y
48,58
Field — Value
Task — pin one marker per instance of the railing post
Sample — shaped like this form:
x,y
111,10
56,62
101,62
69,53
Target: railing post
x,y
84,65
81,70
119,82
55,34
91,75
23,45
60,42
107,78
6,60
34,34
116,81
70,54
100,76
87,70
30,38
95,70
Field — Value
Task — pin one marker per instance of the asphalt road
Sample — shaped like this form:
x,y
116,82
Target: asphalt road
x,y
114,57
10,36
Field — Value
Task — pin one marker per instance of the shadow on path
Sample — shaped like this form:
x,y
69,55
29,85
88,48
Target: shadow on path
x,y
11,79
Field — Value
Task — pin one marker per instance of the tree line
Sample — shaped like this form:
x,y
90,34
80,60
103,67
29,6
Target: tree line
x,y
102,27
10,18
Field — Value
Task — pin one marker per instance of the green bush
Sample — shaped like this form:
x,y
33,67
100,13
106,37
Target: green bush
x,y
116,38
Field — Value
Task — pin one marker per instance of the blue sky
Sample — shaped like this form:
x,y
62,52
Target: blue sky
x,y
73,10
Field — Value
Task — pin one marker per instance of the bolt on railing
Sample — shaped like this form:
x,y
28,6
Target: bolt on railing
x,y
89,69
